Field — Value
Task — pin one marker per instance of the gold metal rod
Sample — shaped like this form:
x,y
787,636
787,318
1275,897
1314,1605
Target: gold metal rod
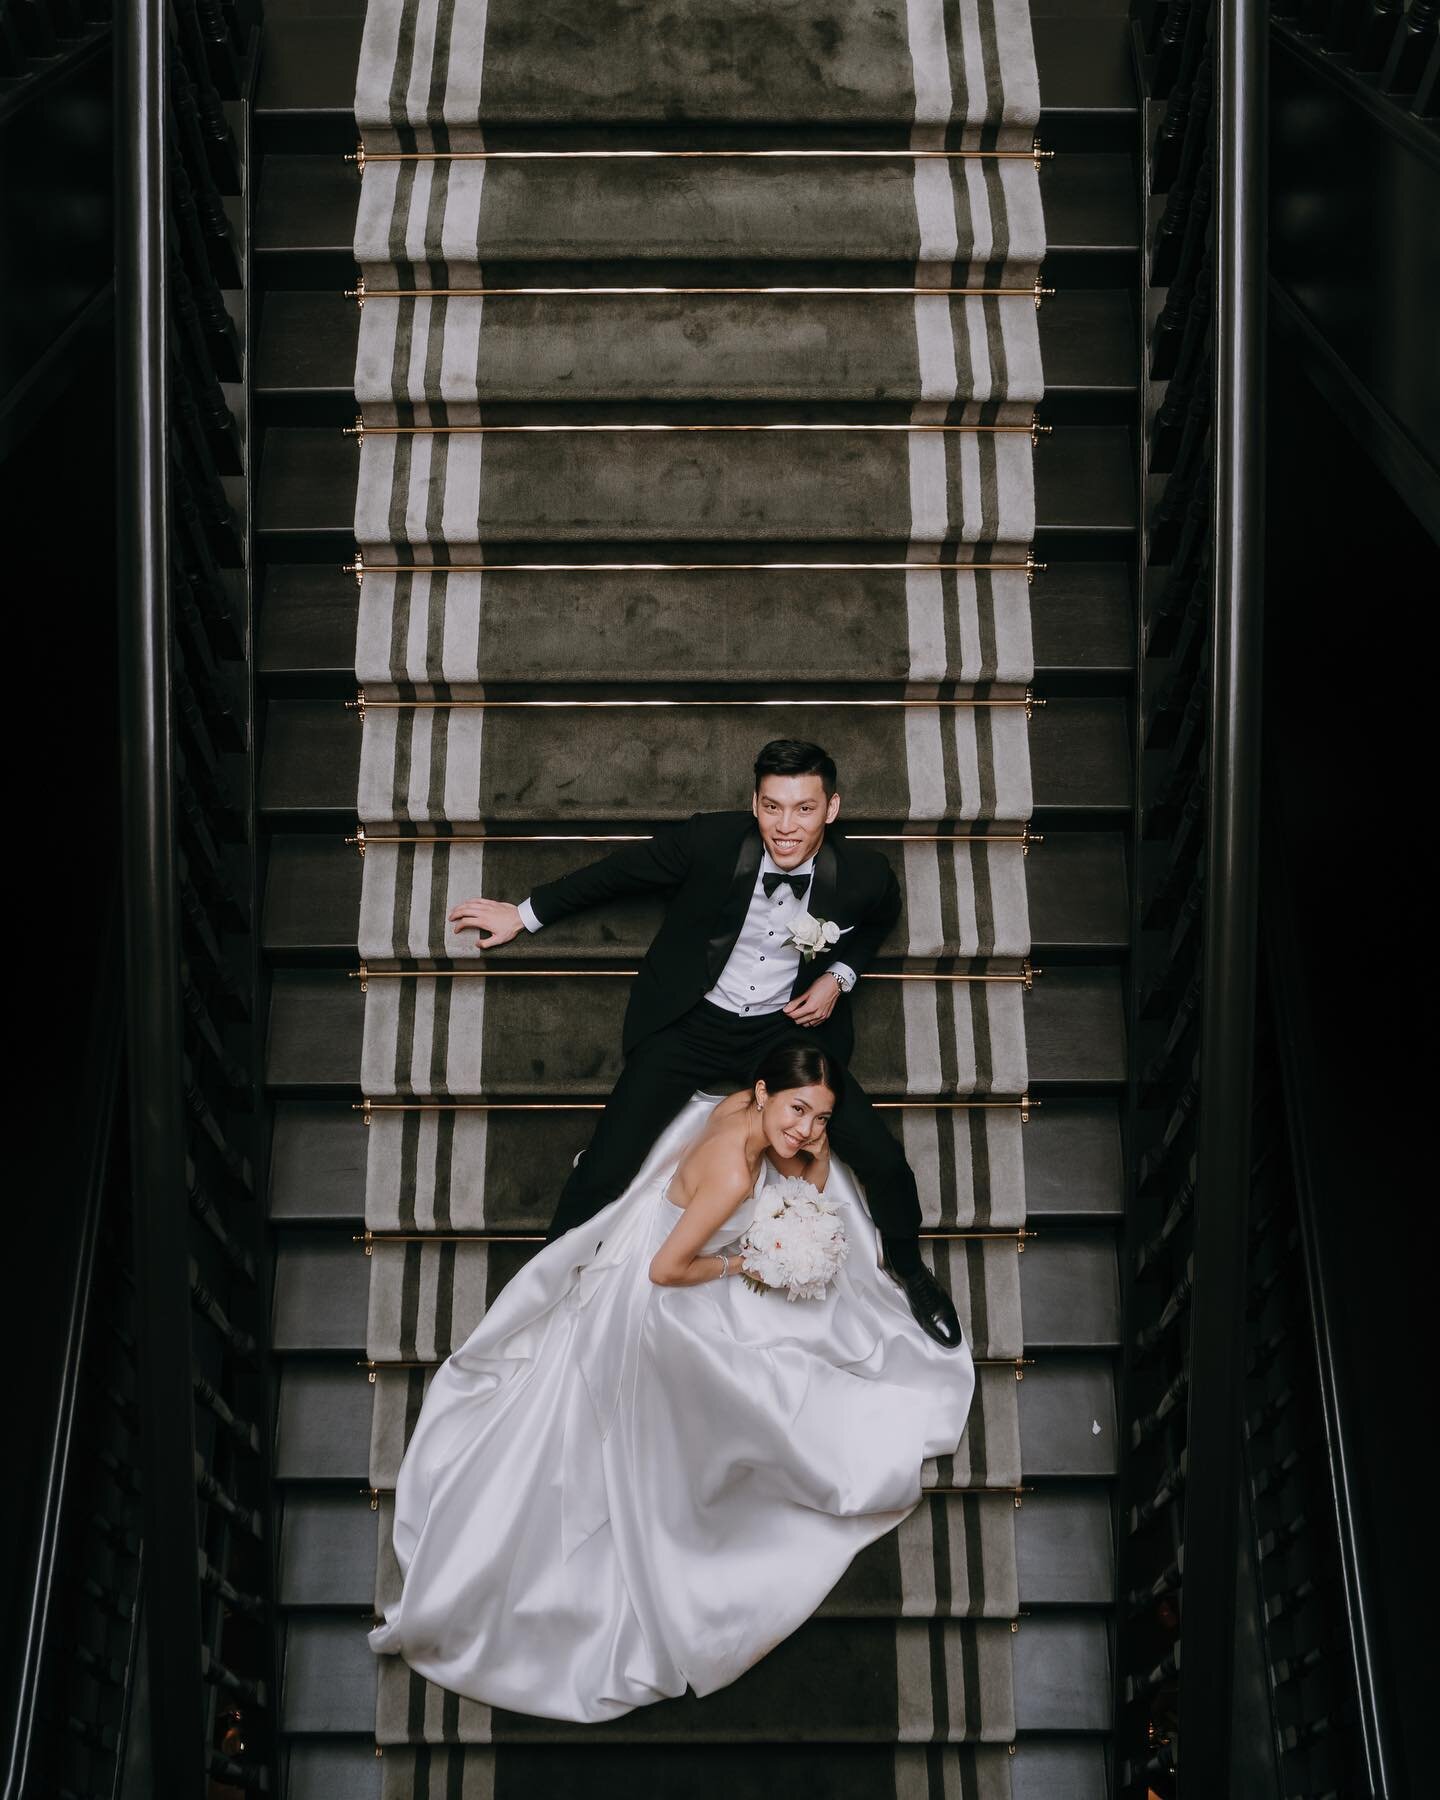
x,y
1035,293
367,1107
375,1365
360,429
384,1236
363,703
1025,975
362,156
376,1494
359,568
362,838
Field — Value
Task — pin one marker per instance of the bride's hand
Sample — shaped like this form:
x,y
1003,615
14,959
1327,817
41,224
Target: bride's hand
x,y
496,921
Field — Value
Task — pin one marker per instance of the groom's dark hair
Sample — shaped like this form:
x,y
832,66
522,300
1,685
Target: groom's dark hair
x,y
792,756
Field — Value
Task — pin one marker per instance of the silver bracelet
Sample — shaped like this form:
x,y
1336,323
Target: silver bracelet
x,y
725,1264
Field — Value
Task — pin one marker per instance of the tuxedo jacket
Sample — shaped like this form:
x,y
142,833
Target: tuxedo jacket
x,y
708,865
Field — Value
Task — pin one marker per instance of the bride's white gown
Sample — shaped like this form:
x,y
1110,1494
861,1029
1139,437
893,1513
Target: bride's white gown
x,y
616,1489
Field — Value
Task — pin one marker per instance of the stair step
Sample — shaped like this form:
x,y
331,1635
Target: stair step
x,y
1075,882
305,99
1063,1549
1084,487
306,216
1060,1665
1072,1150
1069,1289
1079,759
733,348
1074,1031
347,1768
1066,1404
637,627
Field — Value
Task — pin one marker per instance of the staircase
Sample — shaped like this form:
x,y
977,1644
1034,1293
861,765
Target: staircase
x,y
969,1653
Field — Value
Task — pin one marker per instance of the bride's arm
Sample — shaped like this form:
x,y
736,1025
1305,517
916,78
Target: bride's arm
x,y
813,1167
677,1262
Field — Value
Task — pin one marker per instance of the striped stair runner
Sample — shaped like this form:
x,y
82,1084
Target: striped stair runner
x,y
905,1682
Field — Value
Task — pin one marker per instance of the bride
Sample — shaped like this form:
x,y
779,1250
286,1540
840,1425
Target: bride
x,y
637,1473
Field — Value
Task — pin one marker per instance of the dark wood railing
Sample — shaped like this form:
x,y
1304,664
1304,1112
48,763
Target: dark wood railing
x,y
191,885
1387,47
1237,1526
1201,70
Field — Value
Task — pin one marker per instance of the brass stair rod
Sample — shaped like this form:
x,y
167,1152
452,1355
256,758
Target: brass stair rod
x,y
376,1494
368,1107
362,838
361,156
361,293
363,703
371,1238
360,429
359,569
364,974
376,1365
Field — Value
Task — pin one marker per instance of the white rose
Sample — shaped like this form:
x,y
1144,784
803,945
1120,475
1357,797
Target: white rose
x,y
832,932
808,932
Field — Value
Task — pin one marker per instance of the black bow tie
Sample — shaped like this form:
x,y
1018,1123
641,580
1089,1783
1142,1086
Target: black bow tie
x,y
797,884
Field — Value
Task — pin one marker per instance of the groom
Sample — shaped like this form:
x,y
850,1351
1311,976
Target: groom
x,y
724,980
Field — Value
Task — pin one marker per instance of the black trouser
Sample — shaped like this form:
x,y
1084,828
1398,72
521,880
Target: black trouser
x,y
710,1048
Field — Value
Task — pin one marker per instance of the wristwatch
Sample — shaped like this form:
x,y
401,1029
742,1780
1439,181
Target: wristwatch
x,y
842,978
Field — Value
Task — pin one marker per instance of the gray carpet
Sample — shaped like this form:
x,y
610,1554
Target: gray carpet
x,y
908,1668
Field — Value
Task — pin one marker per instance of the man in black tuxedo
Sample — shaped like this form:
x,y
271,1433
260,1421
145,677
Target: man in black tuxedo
x,y
724,980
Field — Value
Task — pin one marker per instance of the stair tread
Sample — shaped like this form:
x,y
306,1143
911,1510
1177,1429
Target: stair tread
x,y
1073,1165
1061,1683
307,340
310,65
1069,1291
1076,886
1079,757
1067,1419
340,1767
1074,1023
1082,623
1084,484
1063,1548
307,203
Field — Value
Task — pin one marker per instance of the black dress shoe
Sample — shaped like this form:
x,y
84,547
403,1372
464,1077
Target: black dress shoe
x,y
933,1308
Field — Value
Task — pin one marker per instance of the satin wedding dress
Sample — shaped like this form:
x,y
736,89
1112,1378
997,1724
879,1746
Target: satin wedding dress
x,y
615,1490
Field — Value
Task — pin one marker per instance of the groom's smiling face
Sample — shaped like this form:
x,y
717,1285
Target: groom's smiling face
x,y
792,812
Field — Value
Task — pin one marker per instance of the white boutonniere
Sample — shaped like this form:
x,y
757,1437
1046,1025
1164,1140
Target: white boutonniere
x,y
810,934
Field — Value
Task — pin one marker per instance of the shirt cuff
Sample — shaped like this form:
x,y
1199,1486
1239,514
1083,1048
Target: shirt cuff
x,y
844,974
527,916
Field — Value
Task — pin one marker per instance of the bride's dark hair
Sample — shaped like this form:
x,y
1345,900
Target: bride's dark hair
x,y
798,1062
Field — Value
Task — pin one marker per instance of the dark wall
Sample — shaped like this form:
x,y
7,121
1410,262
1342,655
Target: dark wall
x,y
1350,708
60,818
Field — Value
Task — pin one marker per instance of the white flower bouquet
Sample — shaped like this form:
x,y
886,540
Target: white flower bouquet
x,y
795,1241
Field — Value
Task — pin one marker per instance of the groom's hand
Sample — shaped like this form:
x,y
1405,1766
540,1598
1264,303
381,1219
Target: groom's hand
x,y
496,921
816,1004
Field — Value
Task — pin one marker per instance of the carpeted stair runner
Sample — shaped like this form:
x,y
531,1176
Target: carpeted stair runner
x,y
907,1677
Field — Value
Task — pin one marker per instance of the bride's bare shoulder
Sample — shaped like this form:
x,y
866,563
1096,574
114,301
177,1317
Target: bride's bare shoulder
x,y
717,1165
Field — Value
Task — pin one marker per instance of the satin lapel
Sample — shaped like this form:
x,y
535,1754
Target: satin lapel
x,y
737,903
820,904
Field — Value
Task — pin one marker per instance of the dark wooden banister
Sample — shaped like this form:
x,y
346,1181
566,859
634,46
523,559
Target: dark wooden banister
x,y
151,931
1232,900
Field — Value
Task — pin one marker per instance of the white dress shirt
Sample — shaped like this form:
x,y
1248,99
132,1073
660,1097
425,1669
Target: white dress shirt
x,y
760,971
